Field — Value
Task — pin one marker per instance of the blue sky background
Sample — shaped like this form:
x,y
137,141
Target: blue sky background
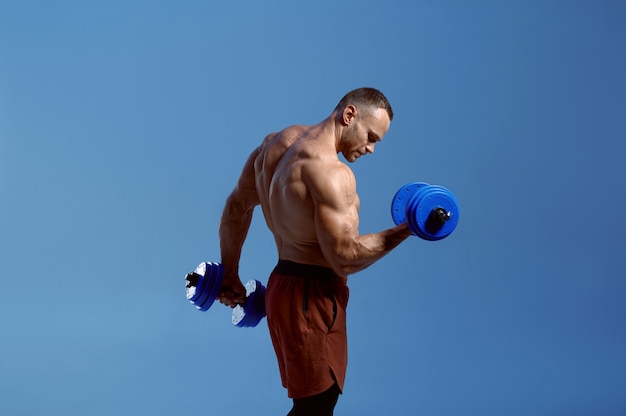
x,y
124,125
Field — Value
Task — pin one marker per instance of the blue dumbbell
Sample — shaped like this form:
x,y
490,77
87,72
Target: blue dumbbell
x,y
204,284
431,211
253,310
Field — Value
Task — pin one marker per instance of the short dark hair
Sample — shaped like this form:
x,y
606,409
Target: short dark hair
x,y
366,97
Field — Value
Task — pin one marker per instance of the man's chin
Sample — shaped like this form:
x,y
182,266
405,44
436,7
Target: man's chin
x,y
352,157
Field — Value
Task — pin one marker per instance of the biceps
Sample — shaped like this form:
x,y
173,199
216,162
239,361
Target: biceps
x,y
337,230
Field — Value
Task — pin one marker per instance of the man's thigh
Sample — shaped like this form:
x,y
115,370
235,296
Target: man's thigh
x,y
322,404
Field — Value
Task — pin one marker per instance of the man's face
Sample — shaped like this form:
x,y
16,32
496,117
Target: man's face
x,y
364,131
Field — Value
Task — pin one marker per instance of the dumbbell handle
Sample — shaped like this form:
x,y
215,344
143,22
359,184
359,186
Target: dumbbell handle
x,y
440,215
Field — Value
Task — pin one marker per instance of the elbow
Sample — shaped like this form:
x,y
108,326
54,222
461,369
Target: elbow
x,y
347,262
237,206
347,269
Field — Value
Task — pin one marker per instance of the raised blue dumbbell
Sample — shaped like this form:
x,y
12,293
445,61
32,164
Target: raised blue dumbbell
x,y
430,211
203,285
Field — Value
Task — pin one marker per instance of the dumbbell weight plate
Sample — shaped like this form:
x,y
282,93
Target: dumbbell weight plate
x,y
194,291
191,287
242,314
214,285
401,200
207,273
258,306
423,203
214,278
239,314
219,279
251,313
204,271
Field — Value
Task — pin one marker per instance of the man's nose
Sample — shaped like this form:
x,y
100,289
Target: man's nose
x,y
369,148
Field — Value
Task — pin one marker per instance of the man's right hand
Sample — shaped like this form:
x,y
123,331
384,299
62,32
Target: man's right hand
x,y
233,292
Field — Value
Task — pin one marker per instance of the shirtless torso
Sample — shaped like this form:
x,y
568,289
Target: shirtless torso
x,y
289,169
308,197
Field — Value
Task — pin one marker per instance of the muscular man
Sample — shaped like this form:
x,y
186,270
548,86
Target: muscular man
x,y
309,201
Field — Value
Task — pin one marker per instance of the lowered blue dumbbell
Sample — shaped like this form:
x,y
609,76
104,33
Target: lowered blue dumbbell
x,y
203,285
431,211
253,310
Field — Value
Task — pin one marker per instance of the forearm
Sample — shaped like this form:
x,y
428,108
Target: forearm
x,y
234,226
365,250
236,218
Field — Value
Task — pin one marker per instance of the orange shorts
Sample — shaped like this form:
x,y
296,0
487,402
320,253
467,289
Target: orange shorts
x,y
306,316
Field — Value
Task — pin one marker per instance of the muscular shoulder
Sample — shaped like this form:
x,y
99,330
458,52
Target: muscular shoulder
x,y
273,147
329,181
283,138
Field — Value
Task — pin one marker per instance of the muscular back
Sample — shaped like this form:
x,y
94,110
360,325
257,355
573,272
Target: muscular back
x,y
295,170
308,198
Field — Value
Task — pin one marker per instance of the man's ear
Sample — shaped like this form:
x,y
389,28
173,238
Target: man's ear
x,y
348,114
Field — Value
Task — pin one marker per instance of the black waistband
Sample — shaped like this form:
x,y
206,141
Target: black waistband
x,y
291,268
